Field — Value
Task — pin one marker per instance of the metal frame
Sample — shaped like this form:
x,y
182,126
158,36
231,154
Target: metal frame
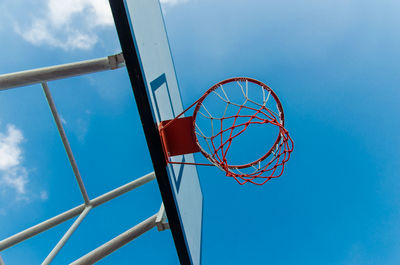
x,y
43,75
117,242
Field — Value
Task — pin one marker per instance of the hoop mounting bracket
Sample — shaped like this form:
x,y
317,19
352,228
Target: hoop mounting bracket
x,y
178,136
161,219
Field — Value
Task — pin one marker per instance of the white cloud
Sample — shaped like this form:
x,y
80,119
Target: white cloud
x,y
172,2
81,128
94,12
63,120
17,178
12,174
68,24
44,195
10,153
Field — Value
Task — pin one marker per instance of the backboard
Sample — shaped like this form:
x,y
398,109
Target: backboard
x,y
144,42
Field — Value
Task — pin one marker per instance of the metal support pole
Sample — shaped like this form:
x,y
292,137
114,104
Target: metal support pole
x,y
46,74
117,242
65,143
123,189
43,226
49,223
66,236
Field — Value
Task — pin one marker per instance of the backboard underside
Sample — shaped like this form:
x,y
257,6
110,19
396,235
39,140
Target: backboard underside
x,y
145,46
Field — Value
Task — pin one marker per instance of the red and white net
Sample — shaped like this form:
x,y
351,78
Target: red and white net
x,y
235,121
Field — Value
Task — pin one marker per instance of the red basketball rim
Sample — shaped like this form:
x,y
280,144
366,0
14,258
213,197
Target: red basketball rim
x,y
239,79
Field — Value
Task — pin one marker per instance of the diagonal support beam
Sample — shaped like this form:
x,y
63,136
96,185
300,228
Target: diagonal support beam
x,y
49,223
66,236
117,242
65,142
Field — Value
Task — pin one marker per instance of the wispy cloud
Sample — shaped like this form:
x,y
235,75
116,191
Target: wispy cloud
x,y
79,126
63,120
44,195
16,178
168,4
68,25
172,2
12,174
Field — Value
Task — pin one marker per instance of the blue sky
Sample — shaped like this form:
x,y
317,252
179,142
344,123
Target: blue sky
x,y
334,65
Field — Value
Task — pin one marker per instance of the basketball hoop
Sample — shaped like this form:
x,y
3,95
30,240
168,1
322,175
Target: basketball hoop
x,y
246,102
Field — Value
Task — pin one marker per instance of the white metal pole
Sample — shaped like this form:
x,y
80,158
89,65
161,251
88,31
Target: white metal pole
x,y
66,236
49,223
43,226
122,189
45,74
117,242
65,142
